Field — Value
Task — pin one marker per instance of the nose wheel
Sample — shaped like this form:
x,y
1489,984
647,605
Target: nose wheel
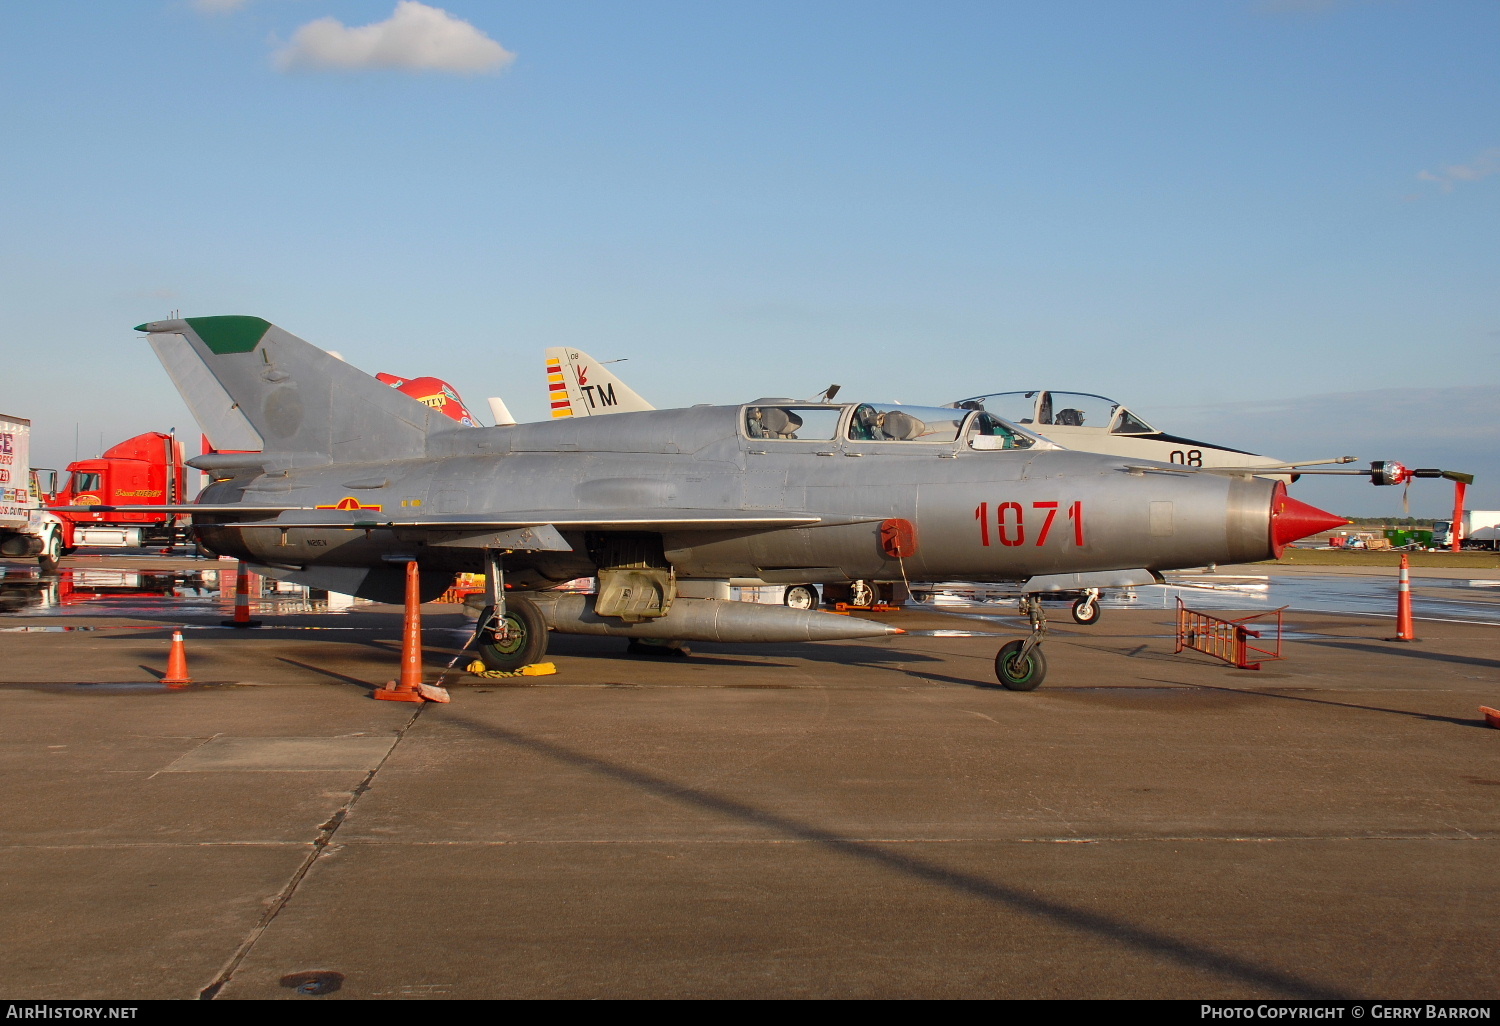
x,y
1086,609
1020,665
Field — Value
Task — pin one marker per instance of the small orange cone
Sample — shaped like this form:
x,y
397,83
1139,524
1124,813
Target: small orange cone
x,y
1491,716
177,671
1405,628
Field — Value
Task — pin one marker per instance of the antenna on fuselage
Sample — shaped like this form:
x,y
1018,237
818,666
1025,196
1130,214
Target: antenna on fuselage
x,y
499,411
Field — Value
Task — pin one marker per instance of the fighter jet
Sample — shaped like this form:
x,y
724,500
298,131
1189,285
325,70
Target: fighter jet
x,y
1093,423
357,479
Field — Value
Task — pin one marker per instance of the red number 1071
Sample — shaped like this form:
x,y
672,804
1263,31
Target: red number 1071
x,y
1009,525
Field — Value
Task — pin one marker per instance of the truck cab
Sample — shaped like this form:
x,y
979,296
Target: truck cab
x,y
144,470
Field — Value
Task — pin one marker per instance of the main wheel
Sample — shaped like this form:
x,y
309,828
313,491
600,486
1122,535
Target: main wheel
x,y
1020,674
52,552
1086,611
801,596
517,639
861,594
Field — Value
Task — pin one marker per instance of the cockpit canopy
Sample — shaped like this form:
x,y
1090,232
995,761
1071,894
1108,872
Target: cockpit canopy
x,y
1060,409
784,420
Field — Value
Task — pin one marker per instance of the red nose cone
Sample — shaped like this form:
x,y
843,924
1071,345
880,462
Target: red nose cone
x,y
1291,519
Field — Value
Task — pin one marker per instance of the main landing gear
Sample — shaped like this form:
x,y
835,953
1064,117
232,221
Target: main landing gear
x,y
1020,665
512,632
513,638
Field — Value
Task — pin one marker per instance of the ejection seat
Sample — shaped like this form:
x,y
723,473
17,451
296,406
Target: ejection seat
x,y
901,427
772,422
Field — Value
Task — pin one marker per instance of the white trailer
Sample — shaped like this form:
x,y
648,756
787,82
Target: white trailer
x,y
25,528
1480,530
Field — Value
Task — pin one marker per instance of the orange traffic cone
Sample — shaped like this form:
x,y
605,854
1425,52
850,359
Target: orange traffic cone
x,y
1405,629
177,671
241,601
410,688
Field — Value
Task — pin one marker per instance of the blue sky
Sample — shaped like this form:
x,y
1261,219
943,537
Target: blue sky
x,y
1212,211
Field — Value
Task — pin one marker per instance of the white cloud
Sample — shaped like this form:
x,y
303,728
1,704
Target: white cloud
x,y
1482,166
218,6
414,38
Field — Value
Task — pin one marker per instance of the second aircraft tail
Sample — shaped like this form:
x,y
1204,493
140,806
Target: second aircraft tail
x,y
578,386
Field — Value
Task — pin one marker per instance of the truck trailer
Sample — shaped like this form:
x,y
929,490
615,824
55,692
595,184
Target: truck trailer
x,y
25,528
1479,529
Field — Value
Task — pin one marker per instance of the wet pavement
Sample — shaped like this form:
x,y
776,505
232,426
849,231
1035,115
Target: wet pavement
x,y
821,820
1473,598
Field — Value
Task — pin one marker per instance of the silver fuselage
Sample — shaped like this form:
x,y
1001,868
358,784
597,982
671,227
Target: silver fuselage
x,y
978,514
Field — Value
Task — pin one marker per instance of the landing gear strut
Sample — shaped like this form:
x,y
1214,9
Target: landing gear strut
x,y
861,594
1020,665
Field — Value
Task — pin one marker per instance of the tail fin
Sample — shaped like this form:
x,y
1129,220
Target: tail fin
x,y
223,425
293,395
579,387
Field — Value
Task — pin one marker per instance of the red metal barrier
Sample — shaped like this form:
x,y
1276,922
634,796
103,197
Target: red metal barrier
x,y
1229,640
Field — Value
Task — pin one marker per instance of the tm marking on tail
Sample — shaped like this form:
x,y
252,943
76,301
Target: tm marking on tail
x,y
577,386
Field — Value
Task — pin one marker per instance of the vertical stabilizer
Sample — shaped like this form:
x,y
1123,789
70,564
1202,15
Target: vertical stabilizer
x,y
218,416
293,395
578,386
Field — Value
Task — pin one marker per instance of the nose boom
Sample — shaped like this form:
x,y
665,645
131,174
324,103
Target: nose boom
x,y
1292,519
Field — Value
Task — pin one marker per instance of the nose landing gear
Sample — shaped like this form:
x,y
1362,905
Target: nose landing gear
x,y
1086,609
1020,665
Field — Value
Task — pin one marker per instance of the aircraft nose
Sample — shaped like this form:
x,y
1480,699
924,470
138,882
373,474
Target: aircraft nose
x,y
1292,519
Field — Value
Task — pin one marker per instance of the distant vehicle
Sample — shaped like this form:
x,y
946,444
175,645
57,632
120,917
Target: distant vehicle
x,y
146,470
25,528
1480,529
1093,423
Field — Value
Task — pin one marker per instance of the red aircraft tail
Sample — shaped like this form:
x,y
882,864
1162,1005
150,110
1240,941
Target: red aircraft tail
x,y
435,392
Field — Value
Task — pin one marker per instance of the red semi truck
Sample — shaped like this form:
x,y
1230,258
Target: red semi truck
x,y
144,470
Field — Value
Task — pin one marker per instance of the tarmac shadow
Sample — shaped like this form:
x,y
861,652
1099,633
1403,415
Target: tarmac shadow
x,y
1458,721
1020,898
343,678
1410,653
961,681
